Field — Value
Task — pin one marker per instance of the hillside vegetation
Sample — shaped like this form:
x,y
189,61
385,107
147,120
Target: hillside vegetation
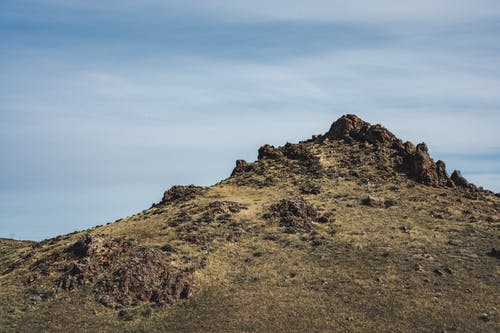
x,y
350,231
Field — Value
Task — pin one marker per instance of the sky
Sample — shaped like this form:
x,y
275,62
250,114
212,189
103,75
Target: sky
x,y
106,104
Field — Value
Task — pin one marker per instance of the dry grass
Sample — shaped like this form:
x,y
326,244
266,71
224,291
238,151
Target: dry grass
x,y
418,266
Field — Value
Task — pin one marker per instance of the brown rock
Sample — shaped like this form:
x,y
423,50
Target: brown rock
x,y
458,179
310,189
181,193
241,166
296,214
268,151
224,207
350,127
146,278
420,166
374,202
92,246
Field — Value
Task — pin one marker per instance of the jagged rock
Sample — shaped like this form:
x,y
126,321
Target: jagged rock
x,y
350,127
146,278
181,193
241,166
296,214
422,168
297,152
458,179
118,279
268,151
95,253
415,161
92,246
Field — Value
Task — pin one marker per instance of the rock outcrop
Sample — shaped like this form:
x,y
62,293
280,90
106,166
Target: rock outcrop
x,y
146,278
459,180
120,275
350,127
241,166
413,160
181,193
296,214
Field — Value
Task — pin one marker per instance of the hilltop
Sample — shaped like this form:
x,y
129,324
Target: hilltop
x,y
350,231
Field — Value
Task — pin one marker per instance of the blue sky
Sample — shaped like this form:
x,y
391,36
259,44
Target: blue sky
x,y
105,104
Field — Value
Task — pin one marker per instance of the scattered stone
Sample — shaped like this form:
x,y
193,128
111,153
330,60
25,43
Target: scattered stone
x,y
484,317
405,229
181,193
325,218
494,253
310,189
373,202
418,268
224,207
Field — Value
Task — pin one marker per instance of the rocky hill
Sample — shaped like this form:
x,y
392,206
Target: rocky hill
x,y
350,231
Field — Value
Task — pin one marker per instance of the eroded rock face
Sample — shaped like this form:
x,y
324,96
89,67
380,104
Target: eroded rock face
x,y
95,254
268,151
92,246
296,214
458,179
181,193
146,278
415,161
297,152
241,166
119,275
350,127
422,168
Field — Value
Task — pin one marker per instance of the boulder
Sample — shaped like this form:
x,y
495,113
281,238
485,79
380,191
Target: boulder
x,y
350,127
374,202
458,179
241,166
297,214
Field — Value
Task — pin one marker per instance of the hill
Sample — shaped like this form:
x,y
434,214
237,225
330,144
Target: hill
x,y
350,231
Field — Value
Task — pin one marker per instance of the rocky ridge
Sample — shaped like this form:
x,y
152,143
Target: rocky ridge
x,y
353,209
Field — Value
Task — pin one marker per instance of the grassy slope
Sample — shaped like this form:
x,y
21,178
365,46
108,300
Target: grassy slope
x,y
360,272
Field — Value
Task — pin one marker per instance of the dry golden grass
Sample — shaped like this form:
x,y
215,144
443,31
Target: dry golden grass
x,y
421,265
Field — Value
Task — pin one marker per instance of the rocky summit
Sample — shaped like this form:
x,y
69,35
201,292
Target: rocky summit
x,y
353,230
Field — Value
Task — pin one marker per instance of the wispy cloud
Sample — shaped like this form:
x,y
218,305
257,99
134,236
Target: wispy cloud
x,y
134,97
